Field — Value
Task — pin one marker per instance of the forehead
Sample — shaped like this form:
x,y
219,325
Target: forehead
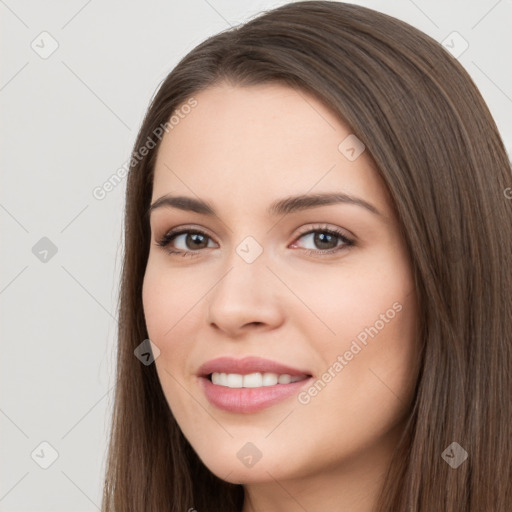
x,y
254,143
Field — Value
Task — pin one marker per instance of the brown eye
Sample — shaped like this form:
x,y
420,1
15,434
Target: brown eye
x,y
325,241
191,241
196,241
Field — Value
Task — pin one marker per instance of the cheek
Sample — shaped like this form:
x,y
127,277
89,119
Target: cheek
x,y
168,315
167,297
372,313
173,303
156,302
352,296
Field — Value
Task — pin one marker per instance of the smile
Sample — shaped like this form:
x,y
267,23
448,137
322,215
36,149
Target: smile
x,y
253,380
250,384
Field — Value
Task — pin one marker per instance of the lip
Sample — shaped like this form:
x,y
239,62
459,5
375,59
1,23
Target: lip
x,y
248,365
248,400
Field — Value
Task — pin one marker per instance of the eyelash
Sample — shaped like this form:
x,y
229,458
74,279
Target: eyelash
x,y
169,237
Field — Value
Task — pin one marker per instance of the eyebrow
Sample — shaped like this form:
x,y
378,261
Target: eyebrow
x,y
283,206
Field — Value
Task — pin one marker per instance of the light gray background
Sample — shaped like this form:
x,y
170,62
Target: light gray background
x,y
68,123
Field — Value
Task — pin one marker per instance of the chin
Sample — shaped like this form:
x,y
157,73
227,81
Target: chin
x,y
243,476
234,466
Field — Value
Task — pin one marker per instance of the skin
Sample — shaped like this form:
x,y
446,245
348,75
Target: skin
x,y
240,149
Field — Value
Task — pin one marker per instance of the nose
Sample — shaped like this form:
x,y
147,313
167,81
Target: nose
x,y
246,297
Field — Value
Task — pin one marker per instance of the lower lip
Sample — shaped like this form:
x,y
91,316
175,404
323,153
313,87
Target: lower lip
x,y
247,400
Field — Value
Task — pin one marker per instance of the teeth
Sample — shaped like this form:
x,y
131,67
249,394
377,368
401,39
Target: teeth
x,y
253,380
233,380
270,379
284,379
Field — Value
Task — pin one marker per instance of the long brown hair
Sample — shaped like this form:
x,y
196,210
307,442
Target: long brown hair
x,y
430,134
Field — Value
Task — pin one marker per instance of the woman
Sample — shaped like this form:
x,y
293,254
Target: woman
x,y
369,374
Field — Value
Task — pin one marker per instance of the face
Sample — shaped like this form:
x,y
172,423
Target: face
x,y
323,288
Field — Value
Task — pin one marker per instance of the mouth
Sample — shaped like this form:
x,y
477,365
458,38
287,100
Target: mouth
x,y
251,384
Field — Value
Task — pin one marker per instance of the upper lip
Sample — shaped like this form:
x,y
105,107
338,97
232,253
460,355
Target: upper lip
x,y
247,365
